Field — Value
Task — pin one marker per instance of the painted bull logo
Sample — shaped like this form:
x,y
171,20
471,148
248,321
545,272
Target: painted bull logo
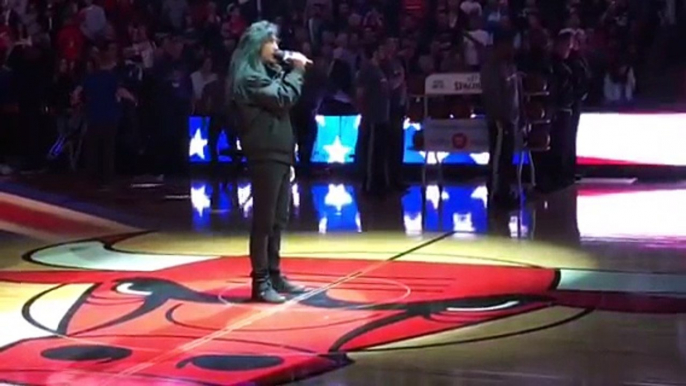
x,y
144,319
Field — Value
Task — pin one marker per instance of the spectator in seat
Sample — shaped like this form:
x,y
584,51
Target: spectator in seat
x,y
235,23
70,42
620,81
201,78
475,40
471,7
93,21
174,12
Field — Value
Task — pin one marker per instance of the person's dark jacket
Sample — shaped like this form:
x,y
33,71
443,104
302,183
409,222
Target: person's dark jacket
x,y
563,87
538,63
582,76
501,92
262,102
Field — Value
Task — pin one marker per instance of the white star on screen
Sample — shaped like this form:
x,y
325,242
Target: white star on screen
x,y
200,200
462,222
434,157
336,151
323,222
413,224
480,158
197,145
245,199
480,193
434,195
295,196
337,197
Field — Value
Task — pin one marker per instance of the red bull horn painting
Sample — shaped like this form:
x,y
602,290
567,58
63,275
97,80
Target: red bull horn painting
x,y
190,324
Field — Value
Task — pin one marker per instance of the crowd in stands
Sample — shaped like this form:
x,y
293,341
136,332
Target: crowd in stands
x,y
169,51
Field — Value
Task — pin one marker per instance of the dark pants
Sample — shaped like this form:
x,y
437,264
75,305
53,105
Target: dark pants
x,y
171,145
376,155
571,169
271,194
396,147
552,167
305,129
35,139
501,169
99,149
10,136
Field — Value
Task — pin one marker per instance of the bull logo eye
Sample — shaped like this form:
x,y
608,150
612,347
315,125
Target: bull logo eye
x,y
232,362
131,288
486,308
83,353
491,304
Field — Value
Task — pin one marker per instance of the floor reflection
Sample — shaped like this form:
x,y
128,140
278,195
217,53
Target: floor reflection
x,y
336,207
649,215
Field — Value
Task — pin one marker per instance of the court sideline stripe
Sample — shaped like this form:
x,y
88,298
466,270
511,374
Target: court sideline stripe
x,y
271,311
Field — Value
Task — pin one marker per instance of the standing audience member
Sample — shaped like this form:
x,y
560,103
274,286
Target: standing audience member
x,y
101,93
213,105
374,103
395,73
176,102
502,102
8,119
551,172
582,79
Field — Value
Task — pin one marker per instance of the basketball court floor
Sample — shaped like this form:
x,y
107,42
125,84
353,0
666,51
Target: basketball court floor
x,y
148,286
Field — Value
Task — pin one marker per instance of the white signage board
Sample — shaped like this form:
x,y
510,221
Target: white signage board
x,y
468,83
456,135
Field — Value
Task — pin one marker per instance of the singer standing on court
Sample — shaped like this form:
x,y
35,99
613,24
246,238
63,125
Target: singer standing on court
x,y
262,94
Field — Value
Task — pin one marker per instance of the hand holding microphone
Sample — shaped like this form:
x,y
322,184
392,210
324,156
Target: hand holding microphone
x,y
296,58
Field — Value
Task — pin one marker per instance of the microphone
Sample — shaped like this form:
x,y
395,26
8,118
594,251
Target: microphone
x,y
288,56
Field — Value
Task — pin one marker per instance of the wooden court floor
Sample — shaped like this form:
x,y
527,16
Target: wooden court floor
x,y
149,287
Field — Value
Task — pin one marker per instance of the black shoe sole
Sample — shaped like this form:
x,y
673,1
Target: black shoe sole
x,y
292,291
261,299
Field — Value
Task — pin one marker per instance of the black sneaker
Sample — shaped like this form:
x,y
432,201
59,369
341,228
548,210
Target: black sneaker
x,y
284,286
263,292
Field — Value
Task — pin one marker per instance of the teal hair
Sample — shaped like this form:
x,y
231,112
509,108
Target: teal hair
x,y
246,58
